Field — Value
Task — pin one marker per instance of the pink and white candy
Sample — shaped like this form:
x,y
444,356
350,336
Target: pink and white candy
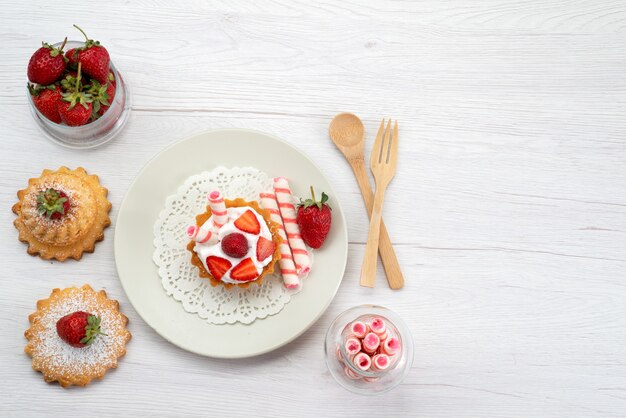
x,y
359,329
378,327
338,353
351,373
370,342
288,213
380,362
368,347
201,235
352,346
218,208
362,361
286,264
391,346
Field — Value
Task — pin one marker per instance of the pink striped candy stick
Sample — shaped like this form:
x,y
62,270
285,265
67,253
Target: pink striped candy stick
x,y
353,346
286,264
391,346
288,213
359,329
370,342
380,362
218,208
362,361
202,235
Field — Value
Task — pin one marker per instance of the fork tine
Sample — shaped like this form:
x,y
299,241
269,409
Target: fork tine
x,y
392,149
377,144
381,129
383,146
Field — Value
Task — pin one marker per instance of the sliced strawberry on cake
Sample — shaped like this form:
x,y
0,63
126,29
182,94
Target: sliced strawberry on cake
x,y
249,223
244,271
218,266
264,248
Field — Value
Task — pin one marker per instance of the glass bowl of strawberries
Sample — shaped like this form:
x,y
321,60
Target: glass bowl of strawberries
x,y
77,96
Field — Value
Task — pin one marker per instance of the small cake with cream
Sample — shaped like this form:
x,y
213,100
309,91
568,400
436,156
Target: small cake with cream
x,y
234,243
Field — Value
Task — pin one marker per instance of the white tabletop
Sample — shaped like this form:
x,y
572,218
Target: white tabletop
x,y
508,211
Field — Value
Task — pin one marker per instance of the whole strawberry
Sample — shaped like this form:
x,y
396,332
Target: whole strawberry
x,y
314,219
75,105
79,329
94,58
46,65
75,112
46,100
235,245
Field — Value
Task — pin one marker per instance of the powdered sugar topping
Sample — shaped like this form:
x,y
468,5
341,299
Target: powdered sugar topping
x,y
30,203
61,358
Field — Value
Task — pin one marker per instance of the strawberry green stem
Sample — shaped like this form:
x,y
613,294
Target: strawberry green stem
x,y
63,44
83,32
312,193
78,76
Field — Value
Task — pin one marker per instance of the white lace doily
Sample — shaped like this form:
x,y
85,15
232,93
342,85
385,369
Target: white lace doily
x,y
179,277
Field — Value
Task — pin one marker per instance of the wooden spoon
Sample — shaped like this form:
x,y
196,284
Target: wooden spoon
x,y
347,132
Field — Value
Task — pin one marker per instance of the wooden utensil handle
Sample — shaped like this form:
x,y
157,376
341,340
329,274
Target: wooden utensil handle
x,y
370,259
387,253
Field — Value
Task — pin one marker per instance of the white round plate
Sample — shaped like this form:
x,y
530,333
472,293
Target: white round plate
x,y
160,178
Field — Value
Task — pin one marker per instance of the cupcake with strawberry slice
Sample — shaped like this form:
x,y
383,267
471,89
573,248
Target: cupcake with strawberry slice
x,y
234,243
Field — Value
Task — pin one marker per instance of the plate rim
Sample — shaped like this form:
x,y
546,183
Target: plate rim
x,y
183,345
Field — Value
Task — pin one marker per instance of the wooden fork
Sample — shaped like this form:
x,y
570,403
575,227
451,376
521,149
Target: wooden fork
x,y
383,165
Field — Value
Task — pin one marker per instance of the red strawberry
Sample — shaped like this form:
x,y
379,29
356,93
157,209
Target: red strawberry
x,y
314,219
74,115
94,58
75,107
46,65
235,245
248,223
244,271
264,248
79,329
72,58
46,100
218,266
53,204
